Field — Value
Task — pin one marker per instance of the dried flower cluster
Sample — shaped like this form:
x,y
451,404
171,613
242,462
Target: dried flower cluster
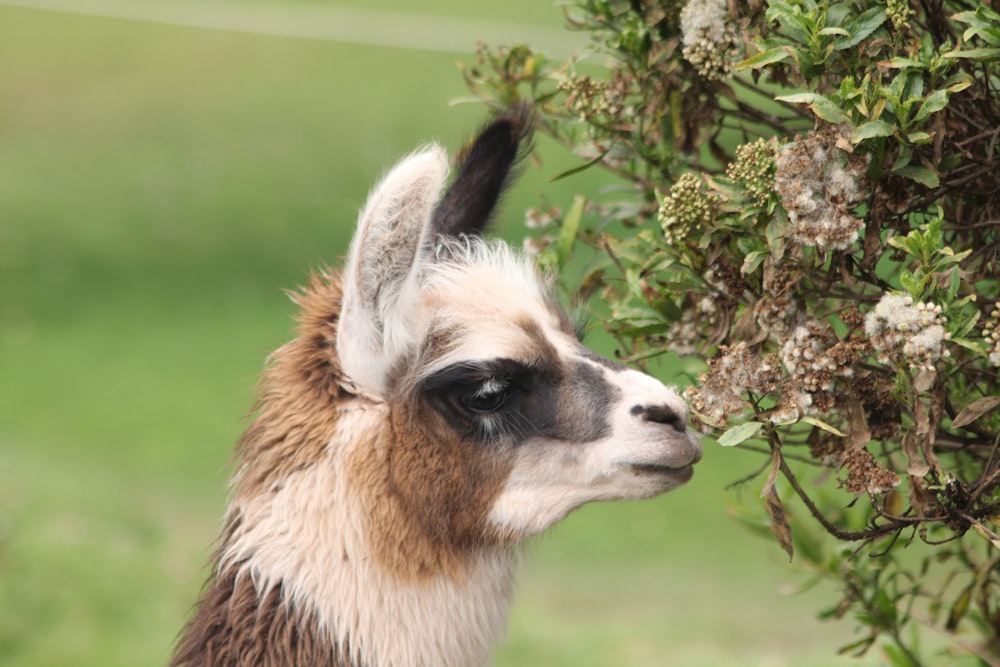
x,y
588,97
882,410
682,336
536,218
811,367
754,168
776,315
865,474
819,183
737,369
812,359
897,326
686,209
711,42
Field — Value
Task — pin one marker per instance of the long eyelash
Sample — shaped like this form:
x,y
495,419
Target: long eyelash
x,y
466,375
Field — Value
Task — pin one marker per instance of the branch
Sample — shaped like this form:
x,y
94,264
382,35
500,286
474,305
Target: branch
x,y
845,535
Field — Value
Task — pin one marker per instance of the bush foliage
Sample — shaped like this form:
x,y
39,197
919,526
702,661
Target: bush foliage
x,y
807,200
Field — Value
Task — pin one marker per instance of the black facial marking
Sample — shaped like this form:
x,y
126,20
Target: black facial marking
x,y
489,397
507,402
476,397
593,397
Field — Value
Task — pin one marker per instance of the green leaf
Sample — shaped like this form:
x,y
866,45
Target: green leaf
x,y
958,610
971,345
797,98
964,328
904,158
753,261
775,232
821,106
569,229
982,23
954,284
913,285
863,26
949,256
894,91
793,24
988,536
983,17
633,282
579,168
626,250
872,129
739,433
974,54
764,58
823,425
650,328
935,102
958,82
900,62
921,175
858,648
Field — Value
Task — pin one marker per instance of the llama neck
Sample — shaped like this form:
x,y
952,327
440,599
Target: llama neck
x,y
307,537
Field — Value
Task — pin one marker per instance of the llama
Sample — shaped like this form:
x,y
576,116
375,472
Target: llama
x,y
433,412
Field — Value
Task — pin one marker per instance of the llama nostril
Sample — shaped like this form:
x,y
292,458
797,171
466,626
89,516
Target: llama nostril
x,y
660,414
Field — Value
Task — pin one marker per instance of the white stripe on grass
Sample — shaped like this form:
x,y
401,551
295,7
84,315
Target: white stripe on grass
x,y
353,25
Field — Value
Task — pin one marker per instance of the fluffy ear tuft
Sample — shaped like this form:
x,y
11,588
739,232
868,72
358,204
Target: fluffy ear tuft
x,y
487,165
374,328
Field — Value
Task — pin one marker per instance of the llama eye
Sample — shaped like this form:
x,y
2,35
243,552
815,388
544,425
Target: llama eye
x,y
489,397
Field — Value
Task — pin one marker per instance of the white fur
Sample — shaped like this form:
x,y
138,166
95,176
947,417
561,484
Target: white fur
x,y
485,289
378,322
551,478
300,537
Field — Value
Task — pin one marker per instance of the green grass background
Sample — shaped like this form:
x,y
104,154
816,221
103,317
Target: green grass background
x,y
159,187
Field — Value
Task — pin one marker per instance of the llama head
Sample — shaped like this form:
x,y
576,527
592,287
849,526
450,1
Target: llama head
x,y
512,423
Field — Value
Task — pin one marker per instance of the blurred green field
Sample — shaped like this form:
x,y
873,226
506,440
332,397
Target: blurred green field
x,y
159,187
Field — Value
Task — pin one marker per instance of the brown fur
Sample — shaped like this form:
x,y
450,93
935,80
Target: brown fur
x,y
429,493
300,392
235,627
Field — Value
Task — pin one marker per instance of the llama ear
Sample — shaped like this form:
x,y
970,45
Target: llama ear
x,y
486,168
374,328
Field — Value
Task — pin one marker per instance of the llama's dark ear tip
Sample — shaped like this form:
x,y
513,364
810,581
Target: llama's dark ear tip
x,y
517,121
486,166
521,117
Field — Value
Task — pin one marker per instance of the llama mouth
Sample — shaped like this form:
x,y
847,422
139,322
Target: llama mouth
x,y
683,473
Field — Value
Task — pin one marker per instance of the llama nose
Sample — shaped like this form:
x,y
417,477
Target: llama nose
x,y
661,414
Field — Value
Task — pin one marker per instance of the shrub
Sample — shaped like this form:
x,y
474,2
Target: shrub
x,y
807,202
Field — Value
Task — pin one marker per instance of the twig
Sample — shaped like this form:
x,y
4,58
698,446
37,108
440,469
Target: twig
x,y
845,535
